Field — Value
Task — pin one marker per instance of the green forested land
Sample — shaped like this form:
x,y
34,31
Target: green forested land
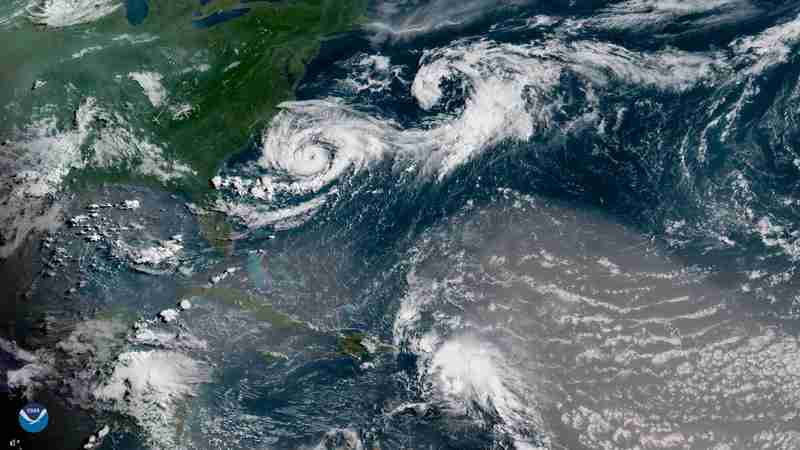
x,y
272,45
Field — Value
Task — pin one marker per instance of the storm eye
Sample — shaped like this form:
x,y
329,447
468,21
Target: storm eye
x,y
310,160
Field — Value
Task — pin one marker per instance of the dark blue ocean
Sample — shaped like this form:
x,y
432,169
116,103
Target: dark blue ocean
x,y
478,225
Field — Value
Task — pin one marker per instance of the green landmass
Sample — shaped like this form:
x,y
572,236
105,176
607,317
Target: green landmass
x,y
261,310
217,231
271,357
352,345
265,53
255,63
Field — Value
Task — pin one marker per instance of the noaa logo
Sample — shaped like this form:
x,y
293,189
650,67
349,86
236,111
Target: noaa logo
x,y
33,418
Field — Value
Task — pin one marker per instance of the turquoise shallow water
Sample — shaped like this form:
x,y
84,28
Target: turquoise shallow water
x,y
478,226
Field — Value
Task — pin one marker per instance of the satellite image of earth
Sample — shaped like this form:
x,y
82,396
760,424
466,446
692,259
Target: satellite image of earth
x,y
400,224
